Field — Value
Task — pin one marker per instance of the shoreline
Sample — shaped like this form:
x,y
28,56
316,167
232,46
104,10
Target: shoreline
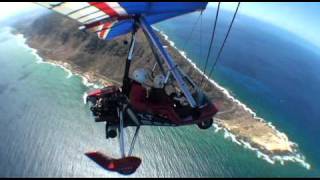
x,y
92,79
271,158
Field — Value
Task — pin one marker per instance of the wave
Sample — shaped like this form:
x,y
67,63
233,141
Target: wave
x,y
295,157
84,97
40,60
33,51
70,74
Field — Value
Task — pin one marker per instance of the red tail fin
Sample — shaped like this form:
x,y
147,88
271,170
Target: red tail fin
x,y
127,165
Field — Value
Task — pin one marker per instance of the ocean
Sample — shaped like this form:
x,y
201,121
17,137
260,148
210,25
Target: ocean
x,y
45,126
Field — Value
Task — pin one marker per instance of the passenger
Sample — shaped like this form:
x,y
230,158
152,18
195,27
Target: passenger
x,y
157,92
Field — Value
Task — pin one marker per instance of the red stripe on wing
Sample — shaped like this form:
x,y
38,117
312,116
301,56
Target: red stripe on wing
x,y
105,27
105,8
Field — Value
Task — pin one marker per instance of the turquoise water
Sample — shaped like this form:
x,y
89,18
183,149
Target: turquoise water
x,y
45,129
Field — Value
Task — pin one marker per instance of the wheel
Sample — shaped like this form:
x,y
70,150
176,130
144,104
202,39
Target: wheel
x,y
112,133
205,124
92,99
126,171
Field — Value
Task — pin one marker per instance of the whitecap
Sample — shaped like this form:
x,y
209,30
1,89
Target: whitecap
x,y
272,159
41,61
84,97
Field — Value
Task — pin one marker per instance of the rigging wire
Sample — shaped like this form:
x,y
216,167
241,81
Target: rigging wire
x,y
194,25
211,41
191,33
200,37
224,41
200,49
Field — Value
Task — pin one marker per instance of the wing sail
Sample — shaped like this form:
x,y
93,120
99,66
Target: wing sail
x,y
112,19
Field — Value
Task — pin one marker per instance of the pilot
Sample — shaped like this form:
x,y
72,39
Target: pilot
x,y
154,89
138,90
141,76
157,93
141,91
149,98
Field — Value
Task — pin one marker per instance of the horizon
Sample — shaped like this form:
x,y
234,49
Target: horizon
x,y
299,18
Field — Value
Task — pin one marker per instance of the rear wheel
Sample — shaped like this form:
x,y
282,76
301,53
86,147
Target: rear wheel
x,y
205,124
126,171
112,133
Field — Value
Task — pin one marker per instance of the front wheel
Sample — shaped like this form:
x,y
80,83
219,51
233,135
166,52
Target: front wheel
x,y
205,124
126,172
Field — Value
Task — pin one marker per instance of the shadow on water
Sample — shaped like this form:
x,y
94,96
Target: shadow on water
x,y
24,76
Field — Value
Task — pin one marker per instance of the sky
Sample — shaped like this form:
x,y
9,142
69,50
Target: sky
x,y
300,18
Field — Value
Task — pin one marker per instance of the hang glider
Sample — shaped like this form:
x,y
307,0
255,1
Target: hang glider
x,y
112,19
130,105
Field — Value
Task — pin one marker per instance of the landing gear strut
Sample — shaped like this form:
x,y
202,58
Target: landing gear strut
x,y
126,164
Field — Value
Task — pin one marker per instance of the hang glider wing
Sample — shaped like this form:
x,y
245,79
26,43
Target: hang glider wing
x,y
112,19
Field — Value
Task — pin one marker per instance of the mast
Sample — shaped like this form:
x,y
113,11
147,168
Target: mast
x,y
125,84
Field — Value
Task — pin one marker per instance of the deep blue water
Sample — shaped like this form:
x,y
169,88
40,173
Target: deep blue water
x,y
45,128
272,71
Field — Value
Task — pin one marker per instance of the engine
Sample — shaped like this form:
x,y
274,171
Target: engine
x,y
104,104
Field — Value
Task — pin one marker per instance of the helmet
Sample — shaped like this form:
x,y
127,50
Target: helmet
x,y
140,75
158,81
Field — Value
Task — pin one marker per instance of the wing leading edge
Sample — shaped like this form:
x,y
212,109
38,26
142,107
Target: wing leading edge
x,y
112,19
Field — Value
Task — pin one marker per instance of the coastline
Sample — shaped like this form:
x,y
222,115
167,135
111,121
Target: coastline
x,y
286,150
219,124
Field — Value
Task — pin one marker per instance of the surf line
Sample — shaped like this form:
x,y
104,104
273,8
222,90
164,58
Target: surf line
x,y
85,81
295,157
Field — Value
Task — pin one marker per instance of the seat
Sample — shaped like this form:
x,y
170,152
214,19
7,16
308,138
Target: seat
x,y
137,96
